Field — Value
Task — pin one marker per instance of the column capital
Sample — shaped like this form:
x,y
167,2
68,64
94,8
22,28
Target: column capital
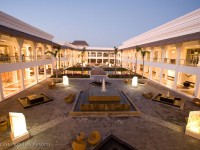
x,y
198,42
163,47
20,42
178,45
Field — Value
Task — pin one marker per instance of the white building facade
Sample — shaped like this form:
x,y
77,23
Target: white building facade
x,y
174,52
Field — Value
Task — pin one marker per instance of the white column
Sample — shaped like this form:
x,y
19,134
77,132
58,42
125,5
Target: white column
x,y
52,69
72,58
45,71
35,50
20,44
151,54
36,73
150,72
163,50
14,76
1,90
151,60
22,79
197,87
44,47
178,56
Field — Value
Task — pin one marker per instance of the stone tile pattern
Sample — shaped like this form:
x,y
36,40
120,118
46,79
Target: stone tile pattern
x,y
161,127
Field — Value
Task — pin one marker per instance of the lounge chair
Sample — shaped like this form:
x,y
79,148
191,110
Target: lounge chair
x,y
70,98
196,101
94,137
148,95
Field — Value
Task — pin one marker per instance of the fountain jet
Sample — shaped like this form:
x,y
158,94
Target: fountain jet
x,y
103,89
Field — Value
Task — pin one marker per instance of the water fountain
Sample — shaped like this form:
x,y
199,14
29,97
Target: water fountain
x,y
101,100
103,89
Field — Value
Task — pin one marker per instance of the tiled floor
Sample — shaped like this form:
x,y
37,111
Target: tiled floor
x,y
160,127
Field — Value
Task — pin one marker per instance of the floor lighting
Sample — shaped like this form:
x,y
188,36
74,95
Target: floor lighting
x,y
193,124
18,127
65,80
135,81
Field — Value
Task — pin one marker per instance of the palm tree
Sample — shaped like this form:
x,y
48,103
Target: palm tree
x,y
82,55
121,61
138,49
115,52
54,54
143,53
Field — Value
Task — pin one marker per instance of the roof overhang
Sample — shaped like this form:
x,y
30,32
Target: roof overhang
x,y
22,35
174,40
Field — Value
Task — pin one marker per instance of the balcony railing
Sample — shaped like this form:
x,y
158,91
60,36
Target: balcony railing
x,y
189,62
15,59
169,61
8,59
157,59
92,55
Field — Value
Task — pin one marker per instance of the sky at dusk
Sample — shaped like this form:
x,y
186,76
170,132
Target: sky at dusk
x,y
102,23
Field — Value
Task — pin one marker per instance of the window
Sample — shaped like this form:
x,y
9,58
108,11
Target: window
x,y
99,54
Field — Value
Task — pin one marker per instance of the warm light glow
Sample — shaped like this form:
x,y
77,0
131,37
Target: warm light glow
x,y
18,127
167,94
135,81
193,125
171,73
65,80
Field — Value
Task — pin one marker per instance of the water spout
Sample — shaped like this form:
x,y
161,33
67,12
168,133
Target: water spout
x,y
103,89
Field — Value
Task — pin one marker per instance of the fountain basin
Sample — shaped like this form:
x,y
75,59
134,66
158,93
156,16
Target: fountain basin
x,y
83,107
110,95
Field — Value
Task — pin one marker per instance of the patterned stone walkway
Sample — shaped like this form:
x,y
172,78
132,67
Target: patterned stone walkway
x,y
97,71
163,123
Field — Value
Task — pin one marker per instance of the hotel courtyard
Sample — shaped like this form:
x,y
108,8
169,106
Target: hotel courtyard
x,y
141,95
159,126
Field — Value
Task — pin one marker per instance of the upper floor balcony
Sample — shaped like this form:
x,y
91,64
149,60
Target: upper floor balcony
x,y
6,59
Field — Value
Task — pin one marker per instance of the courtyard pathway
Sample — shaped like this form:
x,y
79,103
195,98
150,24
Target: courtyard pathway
x,y
160,127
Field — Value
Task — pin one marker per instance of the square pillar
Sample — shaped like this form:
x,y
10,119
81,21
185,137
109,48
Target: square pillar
x,y
1,90
178,56
22,79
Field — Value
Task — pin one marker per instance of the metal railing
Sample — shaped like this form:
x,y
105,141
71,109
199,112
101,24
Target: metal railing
x,y
190,62
169,61
157,59
15,59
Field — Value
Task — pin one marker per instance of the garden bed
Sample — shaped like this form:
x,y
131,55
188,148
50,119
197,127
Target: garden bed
x,y
72,76
78,69
113,69
124,76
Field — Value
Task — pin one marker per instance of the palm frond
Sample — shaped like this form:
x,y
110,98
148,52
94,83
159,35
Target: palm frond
x,y
50,52
143,53
137,48
116,49
83,51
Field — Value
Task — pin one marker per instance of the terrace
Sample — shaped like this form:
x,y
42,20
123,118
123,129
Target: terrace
x,y
160,126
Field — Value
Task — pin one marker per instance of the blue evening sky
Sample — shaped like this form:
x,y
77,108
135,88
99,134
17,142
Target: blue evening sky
x,y
103,23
